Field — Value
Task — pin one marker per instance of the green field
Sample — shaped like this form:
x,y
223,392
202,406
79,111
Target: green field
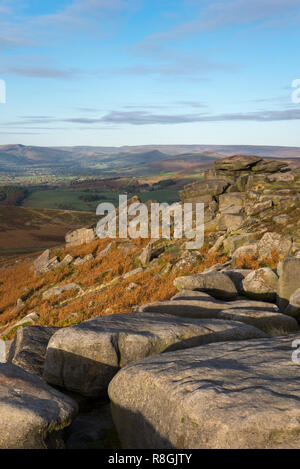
x,y
66,199
70,199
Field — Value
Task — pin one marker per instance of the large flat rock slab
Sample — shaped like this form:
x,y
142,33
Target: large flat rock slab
x,y
202,307
84,358
227,395
32,413
270,322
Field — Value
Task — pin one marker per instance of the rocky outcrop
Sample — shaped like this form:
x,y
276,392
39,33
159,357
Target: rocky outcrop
x,y
84,358
33,415
248,389
237,163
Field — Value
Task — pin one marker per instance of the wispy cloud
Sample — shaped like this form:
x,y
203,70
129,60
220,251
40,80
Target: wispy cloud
x,y
93,17
41,72
148,118
220,14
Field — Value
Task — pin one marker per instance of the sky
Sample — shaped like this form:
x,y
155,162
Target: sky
x,y
138,72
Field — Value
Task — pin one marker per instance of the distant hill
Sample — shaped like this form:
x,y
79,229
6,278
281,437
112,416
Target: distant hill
x,y
85,160
25,230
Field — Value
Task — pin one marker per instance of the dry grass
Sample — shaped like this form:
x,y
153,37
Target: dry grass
x,y
104,291
250,261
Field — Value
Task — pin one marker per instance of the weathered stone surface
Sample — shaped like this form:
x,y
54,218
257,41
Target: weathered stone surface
x,y
274,241
270,322
68,259
41,261
218,244
105,250
237,163
231,199
28,349
192,295
261,284
84,358
81,261
223,396
56,291
269,166
202,307
80,236
205,307
281,177
233,242
216,284
237,276
150,252
44,264
230,221
247,250
281,219
258,208
32,413
132,272
197,190
289,281
293,309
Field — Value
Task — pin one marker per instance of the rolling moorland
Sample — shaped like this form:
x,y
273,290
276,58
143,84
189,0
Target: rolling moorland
x,y
128,340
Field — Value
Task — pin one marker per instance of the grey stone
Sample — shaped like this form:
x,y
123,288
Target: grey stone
x,y
269,166
80,236
216,284
289,281
202,307
84,358
237,276
237,163
258,208
28,349
56,291
33,414
81,261
68,259
261,284
44,264
230,222
233,242
247,250
242,395
274,241
231,199
293,309
105,250
41,261
132,272
273,323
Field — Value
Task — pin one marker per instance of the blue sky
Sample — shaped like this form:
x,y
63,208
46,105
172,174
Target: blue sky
x,y
133,72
